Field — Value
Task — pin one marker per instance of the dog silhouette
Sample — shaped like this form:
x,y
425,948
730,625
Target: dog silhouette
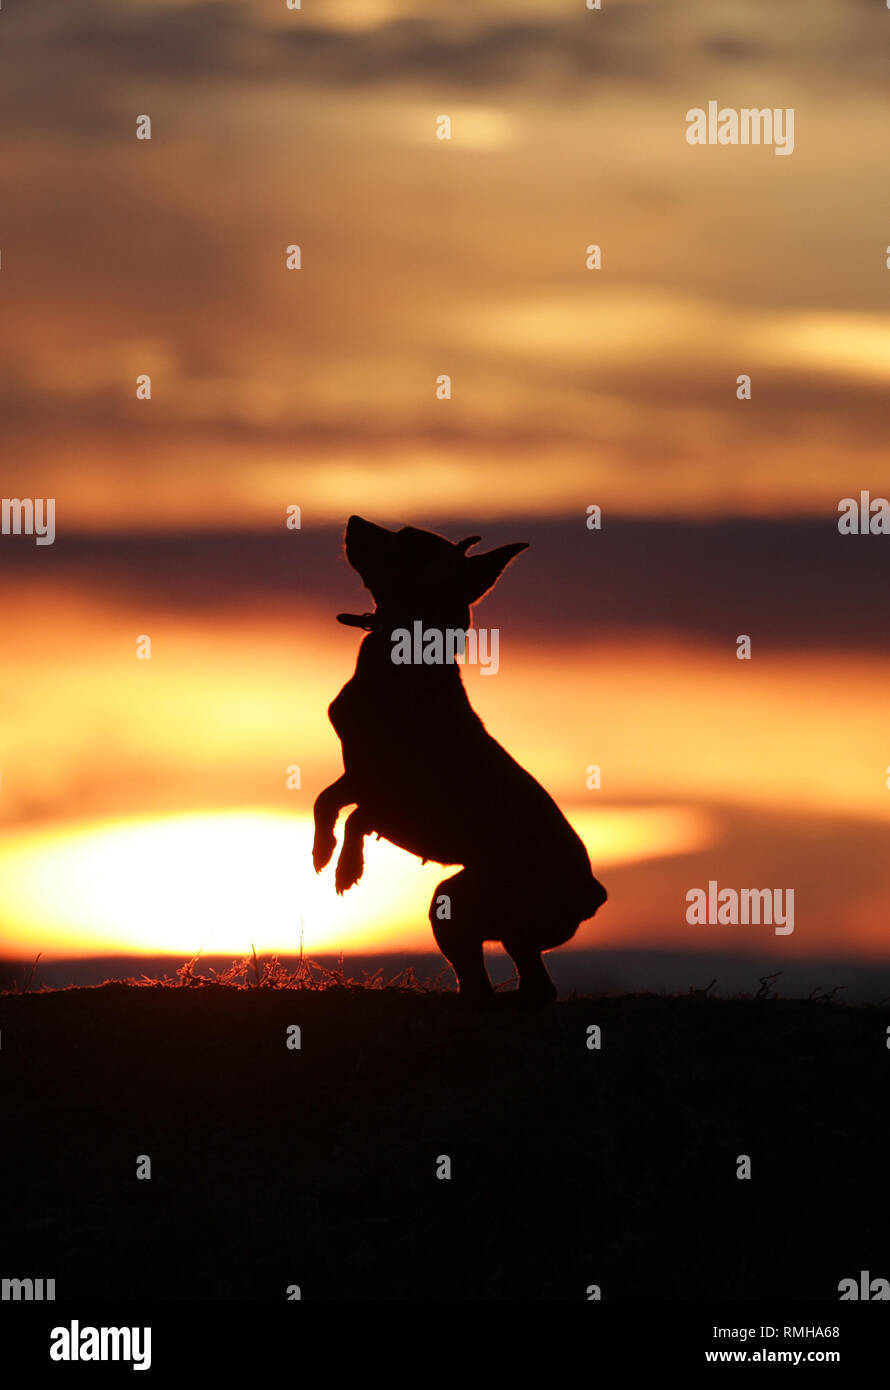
x,y
422,772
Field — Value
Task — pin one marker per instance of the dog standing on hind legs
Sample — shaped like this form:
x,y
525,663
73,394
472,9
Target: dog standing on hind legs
x,y
421,771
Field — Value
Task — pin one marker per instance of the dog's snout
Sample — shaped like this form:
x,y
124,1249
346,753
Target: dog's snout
x,y
360,531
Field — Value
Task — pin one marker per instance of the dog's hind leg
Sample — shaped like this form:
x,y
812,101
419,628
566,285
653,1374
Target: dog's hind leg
x,y
535,984
457,917
351,863
328,805
525,939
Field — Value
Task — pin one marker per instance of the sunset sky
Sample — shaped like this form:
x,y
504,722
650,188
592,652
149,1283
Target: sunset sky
x,y
143,805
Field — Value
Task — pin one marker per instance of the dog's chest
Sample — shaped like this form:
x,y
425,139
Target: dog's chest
x,y
355,712
343,711
372,719
384,712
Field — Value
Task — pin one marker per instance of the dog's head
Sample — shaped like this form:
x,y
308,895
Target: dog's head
x,y
417,574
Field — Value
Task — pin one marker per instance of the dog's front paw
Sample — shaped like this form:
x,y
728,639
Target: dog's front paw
x,y
322,849
350,867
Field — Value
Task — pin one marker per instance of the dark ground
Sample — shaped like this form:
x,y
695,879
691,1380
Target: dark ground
x,y
317,1167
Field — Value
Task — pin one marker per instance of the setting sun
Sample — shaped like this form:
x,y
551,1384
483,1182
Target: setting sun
x,y
226,880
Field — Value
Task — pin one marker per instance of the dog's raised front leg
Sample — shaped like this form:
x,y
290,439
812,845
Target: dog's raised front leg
x,y
351,863
328,805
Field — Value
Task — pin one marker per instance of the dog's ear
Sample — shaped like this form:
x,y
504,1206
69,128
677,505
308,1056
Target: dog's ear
x,y
482,571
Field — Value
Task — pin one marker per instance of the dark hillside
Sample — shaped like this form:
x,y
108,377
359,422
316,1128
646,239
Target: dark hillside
x,y
317,1167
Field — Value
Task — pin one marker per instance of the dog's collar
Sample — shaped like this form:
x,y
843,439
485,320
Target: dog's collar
x,y
366,620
